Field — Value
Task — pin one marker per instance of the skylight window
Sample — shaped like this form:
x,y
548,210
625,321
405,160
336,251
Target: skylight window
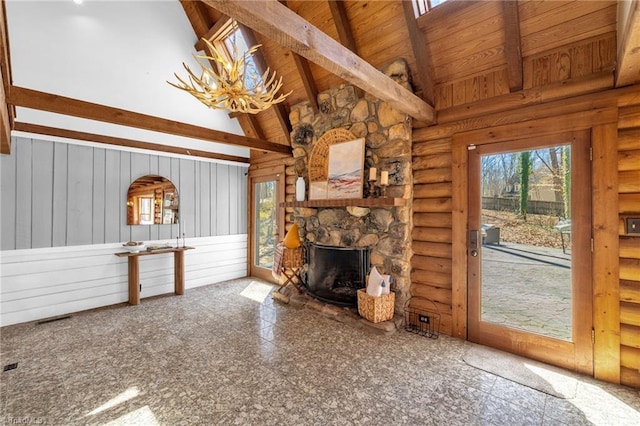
x,y
420,7
235,45
233,79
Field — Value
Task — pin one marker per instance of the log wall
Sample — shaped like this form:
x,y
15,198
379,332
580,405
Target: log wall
x,y
568,52
629,204
435,276
431,263
563,81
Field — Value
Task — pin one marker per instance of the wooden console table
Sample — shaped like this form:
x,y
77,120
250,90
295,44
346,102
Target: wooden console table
x,y
134,270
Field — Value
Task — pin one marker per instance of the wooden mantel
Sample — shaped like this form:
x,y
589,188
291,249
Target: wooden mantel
x,y
346,202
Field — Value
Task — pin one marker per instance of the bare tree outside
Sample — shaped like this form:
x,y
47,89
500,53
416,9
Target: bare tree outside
x,y
524,169
548,184
526,251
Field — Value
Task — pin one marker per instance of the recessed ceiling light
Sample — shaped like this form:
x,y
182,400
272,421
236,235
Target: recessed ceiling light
x,y
77,1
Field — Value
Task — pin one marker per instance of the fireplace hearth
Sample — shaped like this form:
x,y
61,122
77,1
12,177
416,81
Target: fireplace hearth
x,y
336,273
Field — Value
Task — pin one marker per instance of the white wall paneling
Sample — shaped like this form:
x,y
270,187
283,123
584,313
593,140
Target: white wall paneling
x,y
43,283
63,216
56,194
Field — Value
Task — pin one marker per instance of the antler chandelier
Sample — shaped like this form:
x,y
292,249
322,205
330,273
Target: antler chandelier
x,y
228,84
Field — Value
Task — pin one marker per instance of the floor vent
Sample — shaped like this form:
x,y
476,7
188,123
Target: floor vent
x,y
10,366
47,321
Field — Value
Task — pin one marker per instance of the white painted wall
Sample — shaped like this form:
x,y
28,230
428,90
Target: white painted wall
x,y
48,282
49,267
120,54
115,53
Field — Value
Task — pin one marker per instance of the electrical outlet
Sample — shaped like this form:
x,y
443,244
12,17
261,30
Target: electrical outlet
x,y
632,225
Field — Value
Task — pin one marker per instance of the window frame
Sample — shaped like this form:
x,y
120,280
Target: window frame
x,y
219,40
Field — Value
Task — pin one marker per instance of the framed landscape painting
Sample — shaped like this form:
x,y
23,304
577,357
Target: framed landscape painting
x,y
318,190
346,169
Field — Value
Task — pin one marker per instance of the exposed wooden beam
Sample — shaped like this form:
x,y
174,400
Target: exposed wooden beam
x,y
306,76
278,109
130,143
304,69
28,98
628,69
249,124
626,97
282,116
5,124
284,26
341,21
343,27
198,17
512,49
7,112
591,83
422,78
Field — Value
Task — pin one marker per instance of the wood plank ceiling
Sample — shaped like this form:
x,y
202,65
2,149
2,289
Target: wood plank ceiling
x,y
459,53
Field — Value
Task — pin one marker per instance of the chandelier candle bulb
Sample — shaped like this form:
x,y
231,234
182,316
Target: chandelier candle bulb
x,y
372,173
229,84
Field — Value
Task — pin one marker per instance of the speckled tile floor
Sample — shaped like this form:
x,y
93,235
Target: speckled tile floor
x,y
214,357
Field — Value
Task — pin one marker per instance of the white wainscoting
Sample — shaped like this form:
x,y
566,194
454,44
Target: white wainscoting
x,y
47,282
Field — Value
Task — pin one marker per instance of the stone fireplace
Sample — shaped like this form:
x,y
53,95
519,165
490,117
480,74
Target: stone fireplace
x,y
383,228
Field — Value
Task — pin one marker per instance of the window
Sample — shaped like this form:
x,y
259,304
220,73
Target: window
x,y
232,41
145,210
420,7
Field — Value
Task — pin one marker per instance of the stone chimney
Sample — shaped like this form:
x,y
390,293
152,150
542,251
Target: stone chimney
x,y
387,132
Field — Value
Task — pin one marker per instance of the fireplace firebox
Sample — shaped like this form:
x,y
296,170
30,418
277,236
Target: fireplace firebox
x,y
336,273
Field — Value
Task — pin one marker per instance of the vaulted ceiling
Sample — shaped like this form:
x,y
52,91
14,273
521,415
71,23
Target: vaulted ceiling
x,y
460,54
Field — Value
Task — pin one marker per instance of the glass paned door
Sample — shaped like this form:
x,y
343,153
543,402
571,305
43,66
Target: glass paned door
x,y
266,224
525,233
529,240
267,219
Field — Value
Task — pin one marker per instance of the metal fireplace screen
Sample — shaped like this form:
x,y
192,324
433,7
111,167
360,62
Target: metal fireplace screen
x,y
336,273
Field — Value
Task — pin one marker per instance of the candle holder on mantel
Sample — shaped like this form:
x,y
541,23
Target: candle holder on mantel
x,y
372,188
372,182
383,190
384,182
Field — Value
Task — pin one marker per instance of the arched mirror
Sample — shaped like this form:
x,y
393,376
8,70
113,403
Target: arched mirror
x,y
152,200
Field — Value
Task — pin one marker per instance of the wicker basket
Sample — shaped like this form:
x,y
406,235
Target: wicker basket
x,y
376,309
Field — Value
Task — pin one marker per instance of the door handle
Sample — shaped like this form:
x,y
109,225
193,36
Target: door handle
x,y
473,240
